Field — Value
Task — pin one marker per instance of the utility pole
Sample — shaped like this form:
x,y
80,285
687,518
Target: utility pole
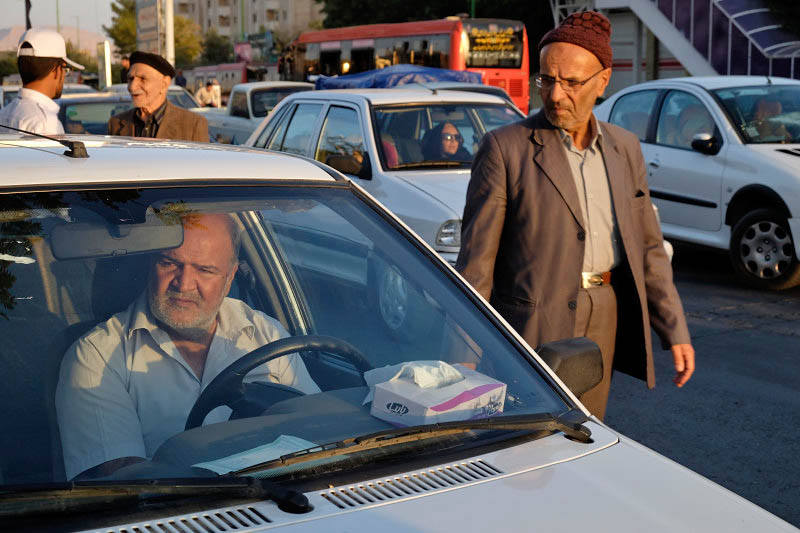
x,y
27,14
472,9
58,17
169,31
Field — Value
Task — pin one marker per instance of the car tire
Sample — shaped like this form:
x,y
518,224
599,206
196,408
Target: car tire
x,y
762,251
402,309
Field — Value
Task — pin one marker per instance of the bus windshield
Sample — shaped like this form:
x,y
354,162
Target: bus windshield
x,y
495,44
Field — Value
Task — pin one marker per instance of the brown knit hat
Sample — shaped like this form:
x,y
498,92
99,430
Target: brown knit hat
x,y
587,29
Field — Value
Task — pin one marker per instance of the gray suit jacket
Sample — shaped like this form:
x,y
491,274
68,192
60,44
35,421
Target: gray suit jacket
x,y
523,237
178,124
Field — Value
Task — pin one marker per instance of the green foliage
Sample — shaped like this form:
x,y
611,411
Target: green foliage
x,y
8,64
82,58
123,26
216,49
188,42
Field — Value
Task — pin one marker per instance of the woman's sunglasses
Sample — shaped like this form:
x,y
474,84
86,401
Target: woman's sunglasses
x,y
452,137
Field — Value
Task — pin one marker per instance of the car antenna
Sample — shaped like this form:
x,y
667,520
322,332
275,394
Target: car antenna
x,y
431,89
76,148
769,81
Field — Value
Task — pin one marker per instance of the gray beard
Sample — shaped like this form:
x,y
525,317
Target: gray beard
x,y
193,330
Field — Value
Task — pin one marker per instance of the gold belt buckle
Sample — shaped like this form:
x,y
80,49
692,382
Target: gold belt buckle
x,y
595,280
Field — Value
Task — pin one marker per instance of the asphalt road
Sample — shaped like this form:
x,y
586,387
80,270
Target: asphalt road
x,y
737,421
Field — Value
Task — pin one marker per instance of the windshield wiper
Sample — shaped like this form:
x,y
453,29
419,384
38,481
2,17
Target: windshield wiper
x,y
18,501
425,164
567,424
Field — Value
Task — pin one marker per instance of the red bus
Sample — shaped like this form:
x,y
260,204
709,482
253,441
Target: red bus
x,y
496,48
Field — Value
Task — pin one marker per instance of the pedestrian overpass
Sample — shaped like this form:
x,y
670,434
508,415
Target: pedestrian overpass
x,y
707,37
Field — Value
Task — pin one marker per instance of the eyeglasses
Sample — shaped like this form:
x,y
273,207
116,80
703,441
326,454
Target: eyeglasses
x,y
452,137
569,86
67,69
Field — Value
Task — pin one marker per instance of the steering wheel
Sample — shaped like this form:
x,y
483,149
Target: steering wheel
x,y
228,387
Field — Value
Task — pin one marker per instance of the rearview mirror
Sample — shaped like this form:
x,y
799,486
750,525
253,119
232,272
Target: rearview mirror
x,y
577,362
705,143
82,240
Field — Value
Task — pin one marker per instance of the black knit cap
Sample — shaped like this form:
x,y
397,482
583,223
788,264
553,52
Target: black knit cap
x,y
153,60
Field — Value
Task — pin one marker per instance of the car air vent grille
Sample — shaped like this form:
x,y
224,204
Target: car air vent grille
x,y
233,519
408,485
790,151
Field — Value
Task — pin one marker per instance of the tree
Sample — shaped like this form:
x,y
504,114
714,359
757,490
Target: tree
x,y
82,58
8,64
188,41
123,26
216,48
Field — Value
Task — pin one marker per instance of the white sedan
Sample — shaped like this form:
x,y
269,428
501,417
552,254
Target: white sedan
x,y
82,233
723,162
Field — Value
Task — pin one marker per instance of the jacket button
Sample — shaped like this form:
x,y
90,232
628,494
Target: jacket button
x,y
573,305
581,235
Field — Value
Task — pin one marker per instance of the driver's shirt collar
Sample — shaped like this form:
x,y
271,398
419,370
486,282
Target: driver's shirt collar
x,y
231,326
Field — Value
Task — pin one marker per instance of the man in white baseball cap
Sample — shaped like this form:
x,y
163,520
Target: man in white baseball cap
x,y
43,65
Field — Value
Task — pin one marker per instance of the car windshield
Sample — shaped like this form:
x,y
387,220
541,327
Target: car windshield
x,y
764,113
91,117
262,101
105,296
437,135
181,98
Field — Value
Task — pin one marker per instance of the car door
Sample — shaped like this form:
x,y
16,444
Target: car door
x,y
685,184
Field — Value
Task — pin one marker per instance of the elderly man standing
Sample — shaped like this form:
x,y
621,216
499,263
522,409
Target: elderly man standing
x,y
153,115
558,231
43,65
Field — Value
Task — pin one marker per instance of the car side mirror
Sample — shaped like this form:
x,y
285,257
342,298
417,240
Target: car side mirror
x,y
705,143
577,362
351,164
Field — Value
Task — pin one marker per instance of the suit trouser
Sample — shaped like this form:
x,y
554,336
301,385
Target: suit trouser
x,y
596,319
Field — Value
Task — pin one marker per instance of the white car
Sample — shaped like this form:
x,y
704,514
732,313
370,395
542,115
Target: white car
x,y
380,137
81,227
723,162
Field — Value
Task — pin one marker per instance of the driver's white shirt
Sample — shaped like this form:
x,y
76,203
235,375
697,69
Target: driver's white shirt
x,y
124,387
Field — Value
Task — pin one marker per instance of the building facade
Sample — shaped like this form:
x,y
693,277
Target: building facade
x,y
238,19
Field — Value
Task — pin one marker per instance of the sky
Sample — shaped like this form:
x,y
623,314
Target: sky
x,y
87,14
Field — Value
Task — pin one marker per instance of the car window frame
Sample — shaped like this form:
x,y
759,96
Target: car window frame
x,y
314,129
665,91
317,135
271,122
652,120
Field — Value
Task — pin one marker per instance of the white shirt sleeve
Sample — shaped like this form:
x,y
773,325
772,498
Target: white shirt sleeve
x,y
97,418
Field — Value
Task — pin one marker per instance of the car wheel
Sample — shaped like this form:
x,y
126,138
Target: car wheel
x,y
762,251
403,310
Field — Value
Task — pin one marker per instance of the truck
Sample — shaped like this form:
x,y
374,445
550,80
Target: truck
x,y
247,106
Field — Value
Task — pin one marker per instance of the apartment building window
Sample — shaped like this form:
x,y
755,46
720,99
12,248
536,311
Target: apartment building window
x,y
272,14
224,3
284,14
255,18
224,21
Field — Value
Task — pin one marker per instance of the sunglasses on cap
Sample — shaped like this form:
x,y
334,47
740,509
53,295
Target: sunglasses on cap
x,y
452,137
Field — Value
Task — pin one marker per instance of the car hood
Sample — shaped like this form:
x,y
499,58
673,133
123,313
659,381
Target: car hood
x,y
549,484
447,186
786,155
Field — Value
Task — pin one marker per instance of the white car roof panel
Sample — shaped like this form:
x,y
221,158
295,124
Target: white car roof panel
x,y
33,161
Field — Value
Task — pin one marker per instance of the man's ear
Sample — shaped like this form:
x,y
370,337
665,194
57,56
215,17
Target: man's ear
x,y
231,275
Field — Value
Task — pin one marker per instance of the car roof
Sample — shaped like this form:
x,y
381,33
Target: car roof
x,y
272,84
719,82
401,96
33,161
93,97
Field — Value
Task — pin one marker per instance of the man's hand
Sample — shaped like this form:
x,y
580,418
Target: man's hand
x,y
684,363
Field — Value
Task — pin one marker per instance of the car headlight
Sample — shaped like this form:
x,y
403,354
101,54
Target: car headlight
x,y
449,234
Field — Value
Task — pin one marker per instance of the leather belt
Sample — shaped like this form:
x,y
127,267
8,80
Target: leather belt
x,y
590,280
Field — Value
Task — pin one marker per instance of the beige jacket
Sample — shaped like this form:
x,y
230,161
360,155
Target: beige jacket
x,y
177,124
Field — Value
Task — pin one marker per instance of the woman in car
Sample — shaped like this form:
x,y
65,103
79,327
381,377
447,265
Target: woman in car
x,y
444,142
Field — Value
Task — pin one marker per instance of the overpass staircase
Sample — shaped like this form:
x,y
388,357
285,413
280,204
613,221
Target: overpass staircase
x,y
711,37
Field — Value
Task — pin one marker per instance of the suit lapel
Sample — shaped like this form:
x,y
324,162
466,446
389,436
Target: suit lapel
x,y
550,157
166,130
616,169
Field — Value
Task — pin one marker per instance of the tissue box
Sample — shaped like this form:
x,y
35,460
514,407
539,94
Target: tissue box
x,y
402,402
